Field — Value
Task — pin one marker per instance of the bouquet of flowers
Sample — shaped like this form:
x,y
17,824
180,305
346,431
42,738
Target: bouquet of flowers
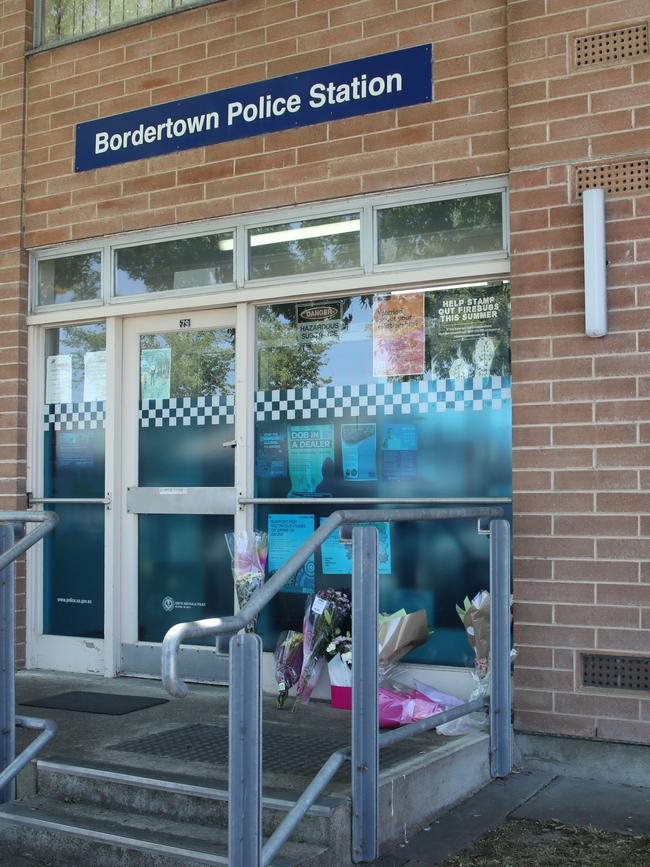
x,y
327,613
475,617
288,663
248,555
339,660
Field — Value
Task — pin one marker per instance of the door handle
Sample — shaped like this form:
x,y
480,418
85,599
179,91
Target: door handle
x,y
231,444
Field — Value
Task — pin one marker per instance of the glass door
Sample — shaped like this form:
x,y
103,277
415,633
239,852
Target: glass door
x,y
68,477
179,483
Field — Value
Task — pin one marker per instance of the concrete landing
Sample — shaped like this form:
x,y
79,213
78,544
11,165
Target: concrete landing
x,y
145,785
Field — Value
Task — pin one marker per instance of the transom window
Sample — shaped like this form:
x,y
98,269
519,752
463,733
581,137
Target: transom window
x,y
68,19
398,232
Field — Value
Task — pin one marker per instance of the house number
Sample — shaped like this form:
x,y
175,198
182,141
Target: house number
x,y
184,323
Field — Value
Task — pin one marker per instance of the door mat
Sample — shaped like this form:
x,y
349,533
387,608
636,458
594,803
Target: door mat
x,y
96,702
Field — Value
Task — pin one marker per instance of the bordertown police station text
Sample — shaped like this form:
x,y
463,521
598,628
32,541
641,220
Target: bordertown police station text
x,y
356,87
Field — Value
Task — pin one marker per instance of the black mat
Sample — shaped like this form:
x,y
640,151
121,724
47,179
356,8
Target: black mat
x,y
95,702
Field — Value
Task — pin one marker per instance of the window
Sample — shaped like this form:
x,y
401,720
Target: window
x,y
400,233
186,263
304,247
67,19
432,230
71,278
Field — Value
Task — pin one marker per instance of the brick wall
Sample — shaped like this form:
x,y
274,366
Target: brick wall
x,y
581,408
14,39
461,134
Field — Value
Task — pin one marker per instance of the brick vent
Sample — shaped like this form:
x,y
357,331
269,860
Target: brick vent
x,y
616,672
613,46
615,178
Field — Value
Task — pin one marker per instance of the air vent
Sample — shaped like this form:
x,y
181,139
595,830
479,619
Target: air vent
x,y
614,46
616,672
615,178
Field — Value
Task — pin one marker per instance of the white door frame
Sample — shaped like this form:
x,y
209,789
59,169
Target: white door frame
x,y
125,592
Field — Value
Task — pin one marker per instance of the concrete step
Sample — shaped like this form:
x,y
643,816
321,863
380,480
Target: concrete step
x,y
183,797
96,814
82,834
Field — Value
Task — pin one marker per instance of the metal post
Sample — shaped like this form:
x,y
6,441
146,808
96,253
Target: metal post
x,y
500,702
365,736
245,752
7,665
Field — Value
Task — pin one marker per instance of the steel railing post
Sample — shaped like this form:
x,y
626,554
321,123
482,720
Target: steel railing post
x,y
500,699
245,752
7,665
365,734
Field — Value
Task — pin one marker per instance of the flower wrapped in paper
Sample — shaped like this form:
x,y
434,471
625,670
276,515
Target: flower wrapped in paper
x,y
401,704
399,634
339,668
327,613
475,616
248,556
288,663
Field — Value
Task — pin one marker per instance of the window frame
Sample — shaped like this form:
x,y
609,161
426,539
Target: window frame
x,y
39,11
369,274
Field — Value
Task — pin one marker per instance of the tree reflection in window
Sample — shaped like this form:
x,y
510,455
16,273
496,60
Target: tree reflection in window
x,y
72,278
432,230
184,263
202,362
304,247
64,19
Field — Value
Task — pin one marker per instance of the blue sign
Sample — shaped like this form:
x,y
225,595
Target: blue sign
x,y
379,83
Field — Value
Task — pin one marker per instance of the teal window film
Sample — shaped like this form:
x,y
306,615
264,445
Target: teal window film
x,y
186,418
304,247
73,432
184,263
184,572
433,230
444,433
69,279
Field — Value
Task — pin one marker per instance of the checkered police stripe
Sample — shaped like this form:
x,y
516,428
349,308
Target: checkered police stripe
x,y
73,416
172,411
418,397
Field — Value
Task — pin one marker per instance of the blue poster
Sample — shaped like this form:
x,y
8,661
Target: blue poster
x,y
337,557
271,455
359,452
399,452
286,534
311,459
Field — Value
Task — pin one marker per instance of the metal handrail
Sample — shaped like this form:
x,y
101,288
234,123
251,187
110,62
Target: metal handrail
x,y
48,729
228,626
47,522
245,785
10,765
374,501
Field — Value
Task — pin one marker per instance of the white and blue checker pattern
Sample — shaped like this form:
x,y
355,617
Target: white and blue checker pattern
x,y
73,416
174,411
416,397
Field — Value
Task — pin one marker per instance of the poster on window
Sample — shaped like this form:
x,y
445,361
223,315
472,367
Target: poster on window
x,y
359,452
271,454
398,334
399,452
337,557
286,535
311,459
58,379
155,373
95,376
470,332
319,322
